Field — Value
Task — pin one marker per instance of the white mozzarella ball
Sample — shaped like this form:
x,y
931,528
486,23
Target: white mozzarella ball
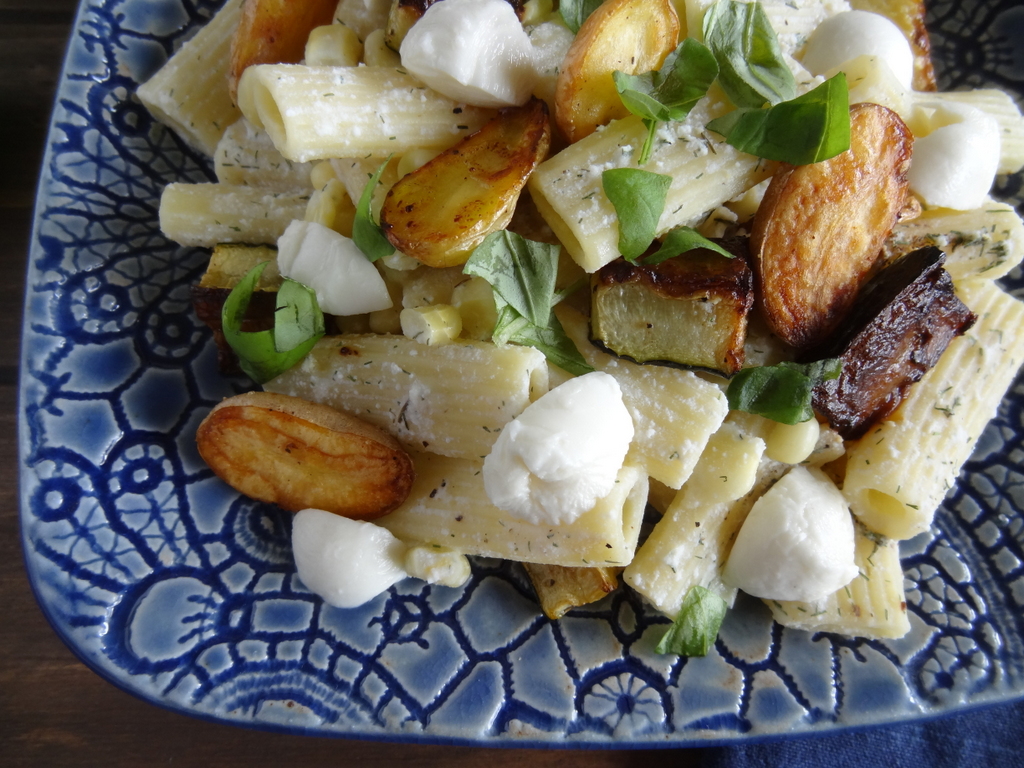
x,y
846,36
797,542
346,562
560,455
955,164
472,51
345,281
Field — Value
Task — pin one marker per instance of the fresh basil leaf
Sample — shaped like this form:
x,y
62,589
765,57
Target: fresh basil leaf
x,y
696,625
365,231
670,92
575,12
780,392
808,129
550,338
752,70
297,316
680,240
638,198
521,271
298,323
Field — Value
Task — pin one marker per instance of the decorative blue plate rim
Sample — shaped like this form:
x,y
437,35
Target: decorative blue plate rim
x,y
173,588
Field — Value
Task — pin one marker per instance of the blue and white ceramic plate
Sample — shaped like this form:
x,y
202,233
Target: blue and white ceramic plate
x,y
171,586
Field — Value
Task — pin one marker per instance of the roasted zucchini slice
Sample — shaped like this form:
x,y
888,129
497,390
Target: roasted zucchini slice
x,y
229,263
560,589
689,311
901,324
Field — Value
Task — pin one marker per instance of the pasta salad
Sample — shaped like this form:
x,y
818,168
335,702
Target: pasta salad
x,y
517,278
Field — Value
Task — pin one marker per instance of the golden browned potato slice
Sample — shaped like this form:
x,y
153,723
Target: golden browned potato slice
x,y
908,15
299,455
817,236
441,211
560,589
631,36
274,32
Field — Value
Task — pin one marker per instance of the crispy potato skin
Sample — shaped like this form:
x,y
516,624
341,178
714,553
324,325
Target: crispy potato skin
x,y
632,36
817,236
441,211
274,32
298,455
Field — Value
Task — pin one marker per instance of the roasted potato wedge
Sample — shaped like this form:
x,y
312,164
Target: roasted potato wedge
x,y
817,236
298,454
631,36
274,32
560,589
441,211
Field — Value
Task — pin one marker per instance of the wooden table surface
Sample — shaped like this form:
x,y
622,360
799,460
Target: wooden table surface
x,y
53,710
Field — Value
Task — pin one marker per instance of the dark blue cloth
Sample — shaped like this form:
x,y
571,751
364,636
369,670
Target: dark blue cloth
x,y
986,737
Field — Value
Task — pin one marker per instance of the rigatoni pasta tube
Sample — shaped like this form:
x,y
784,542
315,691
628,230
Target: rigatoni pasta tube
x,y
190,92
452,399
674,412
316,113
705,173
449,507
872,605
899,472
208,214
247,156
690,544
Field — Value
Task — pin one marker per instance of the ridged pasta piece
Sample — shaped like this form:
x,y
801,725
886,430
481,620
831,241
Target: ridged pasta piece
x,y
674,412
705,172
449,507
690,544
792,20
207,214
986,242
315,113
899,472
452,399
247,156
874,604
190,92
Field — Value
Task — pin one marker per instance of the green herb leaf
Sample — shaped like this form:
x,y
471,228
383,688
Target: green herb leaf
x,y
575,12
808,129
696,626
366,232
780,392
680,240
521,271
669,93
298,323
550,338
751,68
638,198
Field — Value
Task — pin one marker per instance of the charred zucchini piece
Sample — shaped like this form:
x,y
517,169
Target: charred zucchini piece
x,y
689,311
901,324
229,263
560,589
